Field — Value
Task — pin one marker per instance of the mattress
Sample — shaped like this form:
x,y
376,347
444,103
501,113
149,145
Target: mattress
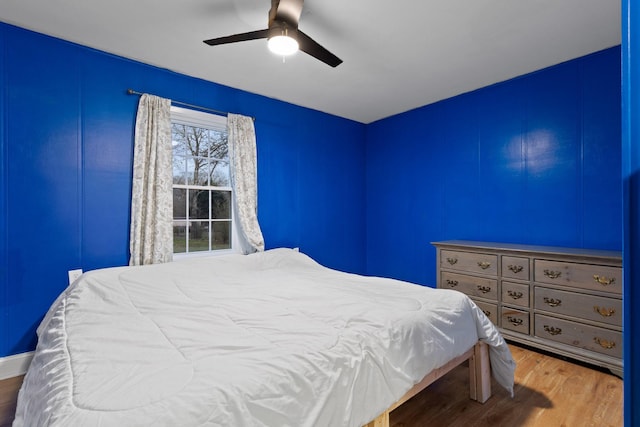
x,y
268,339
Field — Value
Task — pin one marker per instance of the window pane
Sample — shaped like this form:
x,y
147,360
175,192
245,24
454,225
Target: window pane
x,y
221,238
203,170
198,204
179,203
198,141
218,147
197,171
220,173
179,140
178,169
179,236
198,236
220,205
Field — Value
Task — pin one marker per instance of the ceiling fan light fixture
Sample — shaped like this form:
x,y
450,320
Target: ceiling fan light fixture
x,y
283,45
282,32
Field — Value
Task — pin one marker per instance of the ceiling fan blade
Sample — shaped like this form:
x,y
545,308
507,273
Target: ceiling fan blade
x,y
252,35
311,47
288,11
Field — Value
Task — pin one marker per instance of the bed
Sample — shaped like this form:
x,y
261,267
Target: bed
x,y
268,339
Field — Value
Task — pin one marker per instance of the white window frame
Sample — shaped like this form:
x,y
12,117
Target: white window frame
x,y
209,121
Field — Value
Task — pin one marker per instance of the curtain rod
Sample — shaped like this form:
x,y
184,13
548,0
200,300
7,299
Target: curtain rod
x,y
184,104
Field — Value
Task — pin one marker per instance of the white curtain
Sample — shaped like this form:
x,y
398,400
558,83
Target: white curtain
x,y
151,238
244,180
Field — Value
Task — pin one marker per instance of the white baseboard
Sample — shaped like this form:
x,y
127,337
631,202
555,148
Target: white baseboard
x,y
17,364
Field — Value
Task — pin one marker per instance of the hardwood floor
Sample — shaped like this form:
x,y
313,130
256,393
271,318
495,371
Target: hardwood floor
x,y
549,392
8,395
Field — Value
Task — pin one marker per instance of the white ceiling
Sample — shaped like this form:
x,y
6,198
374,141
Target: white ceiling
x,y
398,55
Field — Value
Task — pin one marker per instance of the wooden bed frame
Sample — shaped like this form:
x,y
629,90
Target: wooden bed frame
x,y
479,380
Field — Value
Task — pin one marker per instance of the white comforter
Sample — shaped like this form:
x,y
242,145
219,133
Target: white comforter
x,y
269,339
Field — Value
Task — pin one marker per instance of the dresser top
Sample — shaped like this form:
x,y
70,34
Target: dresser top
x,y
512,247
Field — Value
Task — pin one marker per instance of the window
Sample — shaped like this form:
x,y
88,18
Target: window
x,y
202,194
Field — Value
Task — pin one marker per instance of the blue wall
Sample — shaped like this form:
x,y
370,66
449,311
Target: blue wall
x,y
535,160
66,137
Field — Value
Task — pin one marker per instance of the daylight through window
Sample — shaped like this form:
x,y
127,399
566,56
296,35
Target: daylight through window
x,y
202,195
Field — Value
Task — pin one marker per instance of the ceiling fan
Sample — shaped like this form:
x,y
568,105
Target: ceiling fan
x,y
283,34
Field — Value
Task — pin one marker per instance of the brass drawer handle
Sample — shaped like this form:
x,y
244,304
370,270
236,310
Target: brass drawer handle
x,y
452,283
452,260
606,344
552,302
515,321
551,274
515,295
551,330
604,312
487,313
515,268
484,289
484,265
604,281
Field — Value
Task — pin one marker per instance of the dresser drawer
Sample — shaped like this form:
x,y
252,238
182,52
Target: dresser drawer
x,y
586,276
515,267
489,310
515,294
590,307
515,320
470,285
469,262
576,334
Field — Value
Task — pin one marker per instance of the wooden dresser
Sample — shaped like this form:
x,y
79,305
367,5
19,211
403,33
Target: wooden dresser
x,y
567,301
